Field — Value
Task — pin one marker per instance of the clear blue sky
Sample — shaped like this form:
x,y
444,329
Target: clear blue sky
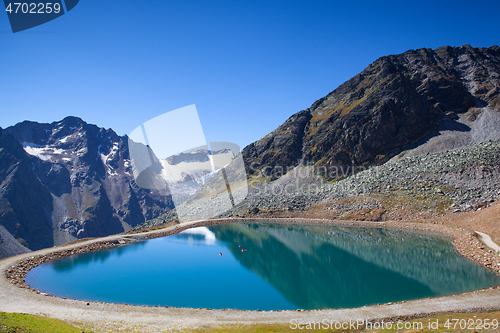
x,y
247,65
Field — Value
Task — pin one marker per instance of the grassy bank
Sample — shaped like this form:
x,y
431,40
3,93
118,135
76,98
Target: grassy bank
x,y
26,323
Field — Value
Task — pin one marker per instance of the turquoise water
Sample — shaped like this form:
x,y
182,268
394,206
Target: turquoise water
x,y
284,267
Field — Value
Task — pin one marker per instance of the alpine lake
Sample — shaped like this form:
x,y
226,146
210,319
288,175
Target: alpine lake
x,y
267,266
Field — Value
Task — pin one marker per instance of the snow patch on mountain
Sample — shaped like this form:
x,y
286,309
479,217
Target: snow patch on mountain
x,y
107,157
44,153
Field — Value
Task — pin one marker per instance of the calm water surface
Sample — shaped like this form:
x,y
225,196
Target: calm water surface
x,y
283,267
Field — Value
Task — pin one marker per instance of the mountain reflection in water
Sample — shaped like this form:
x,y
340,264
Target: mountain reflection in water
x,y
86,259
316,267
282,266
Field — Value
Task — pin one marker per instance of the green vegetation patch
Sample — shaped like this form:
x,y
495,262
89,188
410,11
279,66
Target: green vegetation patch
x,y
26,323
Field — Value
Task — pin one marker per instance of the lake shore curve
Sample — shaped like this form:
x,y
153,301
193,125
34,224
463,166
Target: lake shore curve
x,y
17,296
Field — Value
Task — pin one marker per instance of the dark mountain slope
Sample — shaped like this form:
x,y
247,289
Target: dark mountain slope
x,y
394,102
25,203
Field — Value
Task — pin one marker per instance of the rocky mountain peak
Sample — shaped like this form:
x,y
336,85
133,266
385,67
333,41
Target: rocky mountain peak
x,y
84,174
395,102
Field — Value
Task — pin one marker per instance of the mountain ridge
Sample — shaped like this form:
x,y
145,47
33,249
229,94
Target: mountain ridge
x,y
428,104
83,174
396,101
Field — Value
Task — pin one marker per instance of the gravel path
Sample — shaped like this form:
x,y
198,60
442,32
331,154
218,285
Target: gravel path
x,y
105,317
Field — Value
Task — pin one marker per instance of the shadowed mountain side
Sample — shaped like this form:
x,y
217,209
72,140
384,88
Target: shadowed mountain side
x,y
476,126
286,257
9,246
25,203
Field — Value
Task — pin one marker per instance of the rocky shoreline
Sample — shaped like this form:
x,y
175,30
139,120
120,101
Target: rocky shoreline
x,y
466,243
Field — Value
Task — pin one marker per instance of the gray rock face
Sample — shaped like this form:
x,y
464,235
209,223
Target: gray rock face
x,y
71,180
395,102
